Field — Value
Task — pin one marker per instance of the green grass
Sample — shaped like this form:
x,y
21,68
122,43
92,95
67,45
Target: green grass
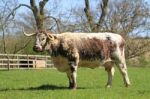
x,y
51,84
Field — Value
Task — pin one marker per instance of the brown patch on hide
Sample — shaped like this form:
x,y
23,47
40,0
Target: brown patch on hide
x,y
109,47
93,48
88,48
68,49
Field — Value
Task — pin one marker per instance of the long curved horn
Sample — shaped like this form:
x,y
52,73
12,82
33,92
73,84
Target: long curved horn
x,y
26,34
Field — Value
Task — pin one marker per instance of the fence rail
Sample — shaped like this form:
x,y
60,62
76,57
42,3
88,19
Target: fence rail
x,y
17,61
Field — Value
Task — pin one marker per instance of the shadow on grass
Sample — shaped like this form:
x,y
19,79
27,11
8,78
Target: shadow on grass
x,y
42,87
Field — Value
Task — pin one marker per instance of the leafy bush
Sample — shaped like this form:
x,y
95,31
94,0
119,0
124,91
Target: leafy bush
x,y
141,61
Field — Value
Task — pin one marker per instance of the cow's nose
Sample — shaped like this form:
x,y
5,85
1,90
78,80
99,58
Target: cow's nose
x,y
37,49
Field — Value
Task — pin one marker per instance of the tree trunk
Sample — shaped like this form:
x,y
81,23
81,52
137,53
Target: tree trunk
x,y
38,13
95,27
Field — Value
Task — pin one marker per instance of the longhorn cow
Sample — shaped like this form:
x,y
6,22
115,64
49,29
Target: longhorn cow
x,y
106,47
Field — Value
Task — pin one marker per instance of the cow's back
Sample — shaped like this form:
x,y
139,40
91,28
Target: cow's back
x,y
102,36
91,46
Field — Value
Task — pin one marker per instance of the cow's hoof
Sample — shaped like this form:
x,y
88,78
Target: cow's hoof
x,y
127,85
108,86
72,88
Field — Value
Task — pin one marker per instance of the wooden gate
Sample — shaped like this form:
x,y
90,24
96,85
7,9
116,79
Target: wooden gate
x,y
17,61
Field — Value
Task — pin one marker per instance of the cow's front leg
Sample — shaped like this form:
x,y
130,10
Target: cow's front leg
x,y
70,79
110,70
73,62
73,69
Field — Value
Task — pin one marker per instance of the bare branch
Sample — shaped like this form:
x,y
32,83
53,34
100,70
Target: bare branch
x,y
96,26
38,13
56,21
13,11
42,4
104,7
32,3
4,41
88,14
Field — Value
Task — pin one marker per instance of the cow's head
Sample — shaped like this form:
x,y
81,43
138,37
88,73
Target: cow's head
x,y
41,40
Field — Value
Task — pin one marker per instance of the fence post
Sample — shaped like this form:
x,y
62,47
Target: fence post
x,y
46,61
35,61
28,60
18,61
8,63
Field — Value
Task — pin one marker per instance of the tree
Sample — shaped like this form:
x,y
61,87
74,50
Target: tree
x,y
129,18
11,25
10,42
38,12
95,27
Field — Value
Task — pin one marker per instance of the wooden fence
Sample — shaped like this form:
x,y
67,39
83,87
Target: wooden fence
x,y
17,61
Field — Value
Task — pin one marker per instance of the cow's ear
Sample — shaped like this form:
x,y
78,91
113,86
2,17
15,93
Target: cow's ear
x,y
50,37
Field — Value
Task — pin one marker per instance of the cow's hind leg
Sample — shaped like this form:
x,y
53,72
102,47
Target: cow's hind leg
x,y
110,70
121,64
123,69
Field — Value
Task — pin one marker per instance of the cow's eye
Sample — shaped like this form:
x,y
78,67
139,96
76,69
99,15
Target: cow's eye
x,y
43,39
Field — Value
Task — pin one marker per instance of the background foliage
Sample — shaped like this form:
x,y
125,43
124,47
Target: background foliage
x,y
125,17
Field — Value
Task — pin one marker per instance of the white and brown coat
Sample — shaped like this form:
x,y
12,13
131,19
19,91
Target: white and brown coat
x,y
106,47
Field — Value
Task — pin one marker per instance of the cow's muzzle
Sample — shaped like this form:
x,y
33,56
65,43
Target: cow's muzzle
x,y
37,49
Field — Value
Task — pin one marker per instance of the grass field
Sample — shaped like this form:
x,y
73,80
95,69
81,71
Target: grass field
x,y
51,84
